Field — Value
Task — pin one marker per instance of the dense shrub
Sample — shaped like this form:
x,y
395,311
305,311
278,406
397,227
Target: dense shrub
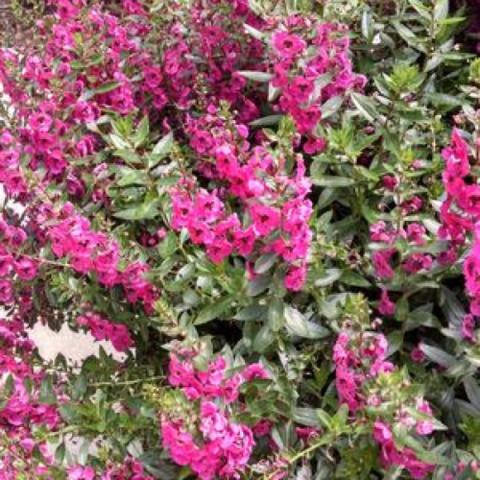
x,y
272,209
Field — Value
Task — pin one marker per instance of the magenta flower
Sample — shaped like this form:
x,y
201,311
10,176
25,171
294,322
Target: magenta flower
x,y
386,306
265,219
287,45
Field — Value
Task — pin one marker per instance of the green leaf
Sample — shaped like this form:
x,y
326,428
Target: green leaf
x,y
263,339
265,263
331,106
258,285
67,412
440,10
60,453
354,279
262,77
332,181
47,394
438,356
118,142
7,390
273,92
421,9
433,62
106,87
267,121
164,146
402,309
142,133
276,314
308,417
79,387
128,155
251,313
131,176
409,36
366,106
213,311
145,211
367,24
298,325
329,277
472,389
168,245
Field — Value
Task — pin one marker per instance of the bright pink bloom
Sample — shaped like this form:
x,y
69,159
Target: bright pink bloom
x,y
287,45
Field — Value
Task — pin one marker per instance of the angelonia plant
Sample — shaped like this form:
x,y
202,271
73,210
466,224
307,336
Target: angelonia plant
x,y
271,212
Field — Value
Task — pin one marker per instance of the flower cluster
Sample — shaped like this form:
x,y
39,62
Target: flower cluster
x,y
414,233
102,329
73,84
391,455
275,209
360,369
12,264
226,446
403,246
131,469
312,65
356,363
71,236
460,215
22,410
213,382
213,34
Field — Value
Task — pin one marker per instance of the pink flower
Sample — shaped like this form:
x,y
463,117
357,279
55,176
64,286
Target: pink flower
x,y
386,306
380,232
390,182
424,427
417,354
6,292
255,371
416,233
26,269
213,424
287,45
306,434
219,249
179,443
295,278
382,432
262,428
6,263
306,119
381,263
102,329
300,89
81,473
417,262
390,455
265,219
244,240
314,145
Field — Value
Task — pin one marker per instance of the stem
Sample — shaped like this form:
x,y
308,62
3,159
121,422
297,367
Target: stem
x,y
127,382
305,452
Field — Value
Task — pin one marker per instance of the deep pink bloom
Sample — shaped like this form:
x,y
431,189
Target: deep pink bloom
x,y
381,262
386,306
25,268
287,45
